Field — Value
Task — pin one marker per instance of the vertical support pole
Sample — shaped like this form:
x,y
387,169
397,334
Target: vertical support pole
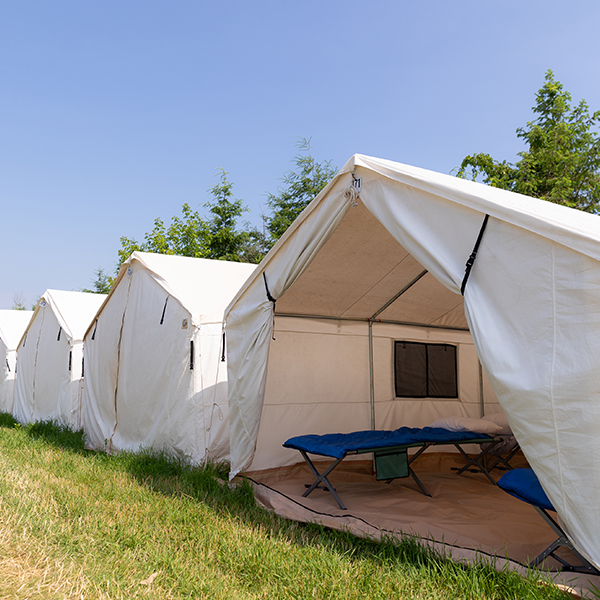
x,y
371,374
481,397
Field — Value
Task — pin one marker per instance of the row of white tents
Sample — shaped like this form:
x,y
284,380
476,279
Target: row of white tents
x,y
151,374
377,258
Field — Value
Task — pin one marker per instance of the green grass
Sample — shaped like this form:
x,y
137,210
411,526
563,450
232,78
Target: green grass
x,y
81,524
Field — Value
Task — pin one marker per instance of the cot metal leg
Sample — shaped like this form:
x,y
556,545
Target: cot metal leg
x,y
322,478
418,482
413,474
475,462
505,462
562,540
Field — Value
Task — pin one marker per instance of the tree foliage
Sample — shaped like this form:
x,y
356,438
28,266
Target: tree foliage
x,y
218,235
300,186
562,160
192,235
101,284
18,302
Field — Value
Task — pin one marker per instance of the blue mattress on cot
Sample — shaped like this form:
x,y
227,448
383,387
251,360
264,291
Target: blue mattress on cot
x,y
524,485
337,445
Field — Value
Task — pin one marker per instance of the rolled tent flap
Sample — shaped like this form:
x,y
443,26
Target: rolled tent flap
x,y
250,324
532,303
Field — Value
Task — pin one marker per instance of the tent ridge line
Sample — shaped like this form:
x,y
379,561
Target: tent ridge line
x,y
400,293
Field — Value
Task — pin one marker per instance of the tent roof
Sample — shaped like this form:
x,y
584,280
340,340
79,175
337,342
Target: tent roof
x,y
12,325
73,310
202,286
381,267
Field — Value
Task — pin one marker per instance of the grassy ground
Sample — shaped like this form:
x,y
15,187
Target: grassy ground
x,y
80,524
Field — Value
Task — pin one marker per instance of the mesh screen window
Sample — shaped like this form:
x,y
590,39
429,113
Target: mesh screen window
x,y
425,370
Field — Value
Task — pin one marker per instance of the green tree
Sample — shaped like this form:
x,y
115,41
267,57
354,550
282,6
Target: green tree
x,y
102,283
193,235
18,302
300,186
562,160
225,241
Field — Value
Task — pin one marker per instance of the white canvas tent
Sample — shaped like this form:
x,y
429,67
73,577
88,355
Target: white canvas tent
x,y
49,358
12,326
153,371
531,309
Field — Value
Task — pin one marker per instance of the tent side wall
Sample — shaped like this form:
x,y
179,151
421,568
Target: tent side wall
x,y
318,382
157,373
212,394
23,407
52,388
101,360
8,359
143,387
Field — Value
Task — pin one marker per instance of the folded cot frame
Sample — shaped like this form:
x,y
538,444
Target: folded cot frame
x,y
524,485
393,462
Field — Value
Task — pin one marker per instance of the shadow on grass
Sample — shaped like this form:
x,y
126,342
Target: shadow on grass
x,y
172,476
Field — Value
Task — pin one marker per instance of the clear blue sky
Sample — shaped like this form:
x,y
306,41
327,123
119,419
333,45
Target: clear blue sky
x,y
114,113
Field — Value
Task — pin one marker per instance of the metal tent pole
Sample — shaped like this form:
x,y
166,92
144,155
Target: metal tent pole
x,y
371,320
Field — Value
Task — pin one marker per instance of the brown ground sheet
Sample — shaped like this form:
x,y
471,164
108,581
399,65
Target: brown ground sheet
x,y
465,516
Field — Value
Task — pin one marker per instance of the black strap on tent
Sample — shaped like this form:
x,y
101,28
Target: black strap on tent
x,y
7,365
70,358
162,319
95,327
24,340
59,332
471,260
223,353
271,299
191,355
82,366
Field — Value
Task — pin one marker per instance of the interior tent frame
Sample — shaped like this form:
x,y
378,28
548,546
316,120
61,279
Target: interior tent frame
x,y
374,319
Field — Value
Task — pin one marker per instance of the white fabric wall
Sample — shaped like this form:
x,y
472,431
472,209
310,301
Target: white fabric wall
x,y
8,359
26,369
101,361
139,390
45,385
12,326
318,382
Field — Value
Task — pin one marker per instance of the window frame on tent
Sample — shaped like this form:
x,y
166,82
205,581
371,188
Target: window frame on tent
x,y
430,373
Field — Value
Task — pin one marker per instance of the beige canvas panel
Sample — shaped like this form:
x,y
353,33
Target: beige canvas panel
x,y
318,382
467,518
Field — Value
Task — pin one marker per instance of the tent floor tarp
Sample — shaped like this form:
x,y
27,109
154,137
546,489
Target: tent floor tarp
x,y
466,516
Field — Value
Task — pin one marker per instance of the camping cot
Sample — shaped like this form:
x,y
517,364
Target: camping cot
x,y
390,452
12,326
400,296
50,358
155,370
